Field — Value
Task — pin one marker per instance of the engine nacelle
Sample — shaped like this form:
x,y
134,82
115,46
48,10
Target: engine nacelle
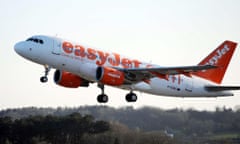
x,y
110,76
69,80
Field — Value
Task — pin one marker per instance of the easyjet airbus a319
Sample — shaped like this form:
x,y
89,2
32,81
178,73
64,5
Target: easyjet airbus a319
x,y
78,65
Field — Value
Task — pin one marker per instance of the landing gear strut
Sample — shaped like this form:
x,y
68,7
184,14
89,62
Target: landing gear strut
x,y
131,97
44,78
102,98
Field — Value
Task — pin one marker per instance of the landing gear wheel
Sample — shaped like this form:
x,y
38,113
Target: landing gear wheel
x,y
43,79
102,98
131,97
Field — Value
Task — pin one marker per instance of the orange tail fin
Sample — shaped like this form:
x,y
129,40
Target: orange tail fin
x,y
220,57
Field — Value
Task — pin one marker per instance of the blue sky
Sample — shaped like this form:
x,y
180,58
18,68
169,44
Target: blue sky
x,y
168,33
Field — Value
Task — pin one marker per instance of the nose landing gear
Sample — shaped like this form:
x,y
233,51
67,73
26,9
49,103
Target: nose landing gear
x,y
44,78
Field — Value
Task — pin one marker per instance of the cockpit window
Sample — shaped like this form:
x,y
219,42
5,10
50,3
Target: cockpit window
x,y
41,41
30,39
35,40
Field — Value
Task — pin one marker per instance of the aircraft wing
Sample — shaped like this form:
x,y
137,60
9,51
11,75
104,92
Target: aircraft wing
x,y
139,74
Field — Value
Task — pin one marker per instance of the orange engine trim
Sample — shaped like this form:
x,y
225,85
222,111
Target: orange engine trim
x,y
69,80
110,76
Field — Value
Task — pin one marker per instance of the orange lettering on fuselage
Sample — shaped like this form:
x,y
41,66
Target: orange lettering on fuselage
x,y
100,56
136,63
126,63
91,54
67,47
79,51
114,61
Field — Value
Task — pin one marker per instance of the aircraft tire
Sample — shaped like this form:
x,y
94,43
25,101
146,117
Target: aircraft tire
x,y
43,79
102,98
131,97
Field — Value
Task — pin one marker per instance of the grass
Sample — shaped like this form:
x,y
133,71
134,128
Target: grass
x,y
225,136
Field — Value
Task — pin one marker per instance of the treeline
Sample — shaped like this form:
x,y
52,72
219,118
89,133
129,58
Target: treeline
x,y
189,122
72,129
53,129
184,125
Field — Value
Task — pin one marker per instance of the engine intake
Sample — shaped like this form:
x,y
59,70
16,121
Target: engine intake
x,y
110,76
69,80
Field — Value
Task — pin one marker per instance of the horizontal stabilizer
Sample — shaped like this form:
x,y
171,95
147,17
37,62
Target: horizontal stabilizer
x,y
221,88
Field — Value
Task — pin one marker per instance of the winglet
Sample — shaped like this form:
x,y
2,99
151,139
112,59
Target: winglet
x,y
221,58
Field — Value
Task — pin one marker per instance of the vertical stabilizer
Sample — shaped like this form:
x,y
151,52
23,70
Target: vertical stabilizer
x,y
220,57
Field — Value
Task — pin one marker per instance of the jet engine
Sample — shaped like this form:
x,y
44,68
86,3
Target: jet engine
x,y
110,76
69,80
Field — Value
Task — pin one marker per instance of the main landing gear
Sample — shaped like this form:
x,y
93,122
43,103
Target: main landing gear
x,y
131,97
103,98
44,78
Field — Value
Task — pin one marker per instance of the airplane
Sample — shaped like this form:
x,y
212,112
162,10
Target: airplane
x,y
78,65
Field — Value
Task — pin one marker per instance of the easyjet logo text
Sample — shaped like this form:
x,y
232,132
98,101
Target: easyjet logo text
x,y
218,55
98,56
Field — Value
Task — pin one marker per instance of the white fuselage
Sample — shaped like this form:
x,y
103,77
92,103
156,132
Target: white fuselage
x,y
83,61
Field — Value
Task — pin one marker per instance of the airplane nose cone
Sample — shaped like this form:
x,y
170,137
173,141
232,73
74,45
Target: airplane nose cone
x,y
18,47
26,50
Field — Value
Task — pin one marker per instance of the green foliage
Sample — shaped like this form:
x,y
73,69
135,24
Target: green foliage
x,y
53,129
72,129
125,125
